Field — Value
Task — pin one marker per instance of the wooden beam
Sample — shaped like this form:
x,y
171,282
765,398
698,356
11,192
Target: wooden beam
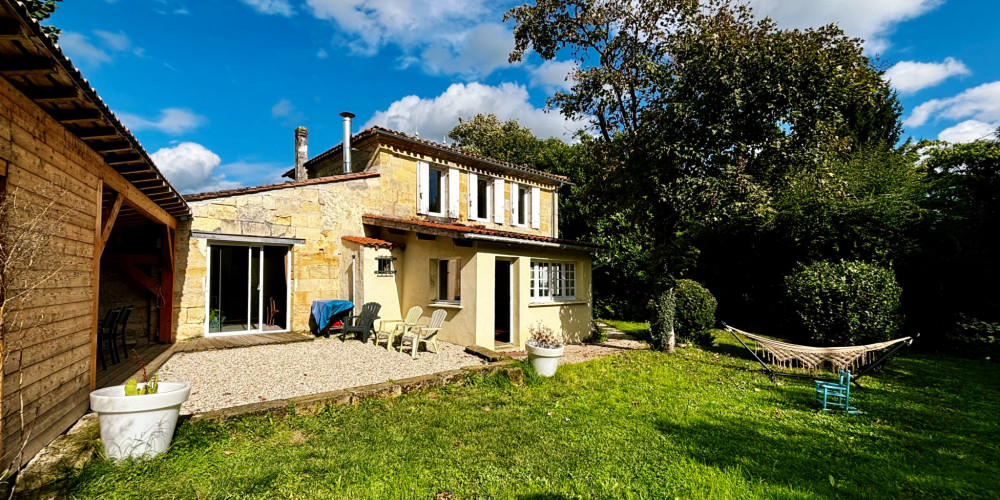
x,y
135,198
66,116
26,65
167,286
139,276
109,219
3,167
98,248
112,147
93,134
52,94
11,28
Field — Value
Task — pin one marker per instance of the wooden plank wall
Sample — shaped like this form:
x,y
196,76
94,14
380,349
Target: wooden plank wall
x,y
48,166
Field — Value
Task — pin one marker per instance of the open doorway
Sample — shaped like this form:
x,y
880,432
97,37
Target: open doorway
x,y
502,300
248,289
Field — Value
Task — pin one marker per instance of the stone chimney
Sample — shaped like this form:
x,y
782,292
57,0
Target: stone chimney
x,y
347,140
301,153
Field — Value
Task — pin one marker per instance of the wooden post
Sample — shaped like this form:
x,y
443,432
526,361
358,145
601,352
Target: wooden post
x,y
98,249
167,285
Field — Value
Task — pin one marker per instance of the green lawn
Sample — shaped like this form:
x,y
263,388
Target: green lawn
x,y
697,424
634,328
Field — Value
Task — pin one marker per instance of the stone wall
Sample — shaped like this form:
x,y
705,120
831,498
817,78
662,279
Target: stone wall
x,y
320,214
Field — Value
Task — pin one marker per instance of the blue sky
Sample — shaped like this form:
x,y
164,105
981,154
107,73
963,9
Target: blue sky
x,y
214,88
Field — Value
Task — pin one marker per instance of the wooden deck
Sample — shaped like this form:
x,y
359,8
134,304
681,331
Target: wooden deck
x,y
156,355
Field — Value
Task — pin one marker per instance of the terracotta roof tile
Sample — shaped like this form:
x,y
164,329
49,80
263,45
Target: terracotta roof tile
x,y
280,185
370,242
374,131
462,228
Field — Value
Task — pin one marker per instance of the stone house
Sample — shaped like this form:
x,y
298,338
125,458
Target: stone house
x,y
396,220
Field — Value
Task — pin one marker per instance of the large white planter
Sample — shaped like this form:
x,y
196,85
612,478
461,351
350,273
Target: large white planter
x,y
138,426
544,360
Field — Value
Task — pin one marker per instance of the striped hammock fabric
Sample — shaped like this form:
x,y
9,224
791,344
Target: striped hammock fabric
x,y
811,358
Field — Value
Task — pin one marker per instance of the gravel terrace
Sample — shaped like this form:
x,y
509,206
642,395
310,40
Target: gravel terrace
x,y
579,353
232,377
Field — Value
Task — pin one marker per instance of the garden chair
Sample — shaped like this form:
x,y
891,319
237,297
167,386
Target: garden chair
x,y
364,323
836,395
120,325
106,338
424,334
398,326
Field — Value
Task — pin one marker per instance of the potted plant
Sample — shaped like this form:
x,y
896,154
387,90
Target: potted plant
x,y
544,349
138,419
215,319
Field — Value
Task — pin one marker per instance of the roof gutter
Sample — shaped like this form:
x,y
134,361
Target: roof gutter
x,y
518,241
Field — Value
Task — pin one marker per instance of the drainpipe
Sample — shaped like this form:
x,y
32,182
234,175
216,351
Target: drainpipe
x,y
347,140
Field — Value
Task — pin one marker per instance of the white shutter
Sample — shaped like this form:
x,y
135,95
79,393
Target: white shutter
x,y
454,195
536,206
498,199
473,196
423,176
514,211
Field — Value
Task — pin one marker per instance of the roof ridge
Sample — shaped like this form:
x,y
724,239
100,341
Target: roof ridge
x,y
280,185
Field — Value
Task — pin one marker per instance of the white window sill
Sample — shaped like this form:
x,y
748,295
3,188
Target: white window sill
x,y
446,305
564,302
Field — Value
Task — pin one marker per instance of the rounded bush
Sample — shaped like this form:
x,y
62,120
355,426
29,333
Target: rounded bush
x,y
844,303
695,312
661,325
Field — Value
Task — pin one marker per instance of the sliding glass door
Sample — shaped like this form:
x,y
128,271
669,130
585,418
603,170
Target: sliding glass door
x,y
248,289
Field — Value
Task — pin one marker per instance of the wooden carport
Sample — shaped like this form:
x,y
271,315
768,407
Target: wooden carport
x,y
57,136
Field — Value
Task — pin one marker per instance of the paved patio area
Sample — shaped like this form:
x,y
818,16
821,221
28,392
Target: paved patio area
x,y
231,377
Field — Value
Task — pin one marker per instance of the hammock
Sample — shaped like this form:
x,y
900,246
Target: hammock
x,y
859,358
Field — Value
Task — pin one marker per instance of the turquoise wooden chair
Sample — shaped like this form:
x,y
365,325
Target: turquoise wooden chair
x,y
388,329
836,395
424,334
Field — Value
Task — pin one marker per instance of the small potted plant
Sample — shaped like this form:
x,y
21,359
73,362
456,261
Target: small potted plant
x,y
544,349
138,419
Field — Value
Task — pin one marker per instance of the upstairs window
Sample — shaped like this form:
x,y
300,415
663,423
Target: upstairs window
x,y
437,190
480,197
525,205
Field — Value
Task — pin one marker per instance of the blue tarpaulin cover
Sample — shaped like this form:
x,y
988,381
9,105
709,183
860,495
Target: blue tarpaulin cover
x,y
325,310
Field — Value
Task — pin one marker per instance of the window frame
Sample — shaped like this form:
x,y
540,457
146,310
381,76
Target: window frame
x,y
488,202
523,192
439,283
442,191
559,281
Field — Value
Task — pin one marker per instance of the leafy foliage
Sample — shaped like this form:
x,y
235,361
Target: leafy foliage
x,y
662,327
973,336
845,303
40,10
543,336
695,312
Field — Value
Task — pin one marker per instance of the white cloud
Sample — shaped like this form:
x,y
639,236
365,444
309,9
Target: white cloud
x,y
434,117
553,75
322,54
283,107
171,121
270,7
109,45
191,167
981,103
872,20
968,131
443,36
910,76
78,47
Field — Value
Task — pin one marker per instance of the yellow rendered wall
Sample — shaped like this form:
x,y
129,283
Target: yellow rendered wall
x,y
386,290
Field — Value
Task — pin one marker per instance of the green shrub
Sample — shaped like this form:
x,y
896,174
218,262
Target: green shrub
x,y
597,334
844,303
974,337
695,312
661,325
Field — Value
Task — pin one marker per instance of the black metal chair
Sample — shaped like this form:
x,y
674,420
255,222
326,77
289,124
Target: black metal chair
x,y
120,327
106,338
364,323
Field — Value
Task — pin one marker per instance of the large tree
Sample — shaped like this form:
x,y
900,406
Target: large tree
x,y
703,114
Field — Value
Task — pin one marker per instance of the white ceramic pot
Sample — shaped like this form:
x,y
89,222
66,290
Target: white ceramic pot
x,y
544,360
138,426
